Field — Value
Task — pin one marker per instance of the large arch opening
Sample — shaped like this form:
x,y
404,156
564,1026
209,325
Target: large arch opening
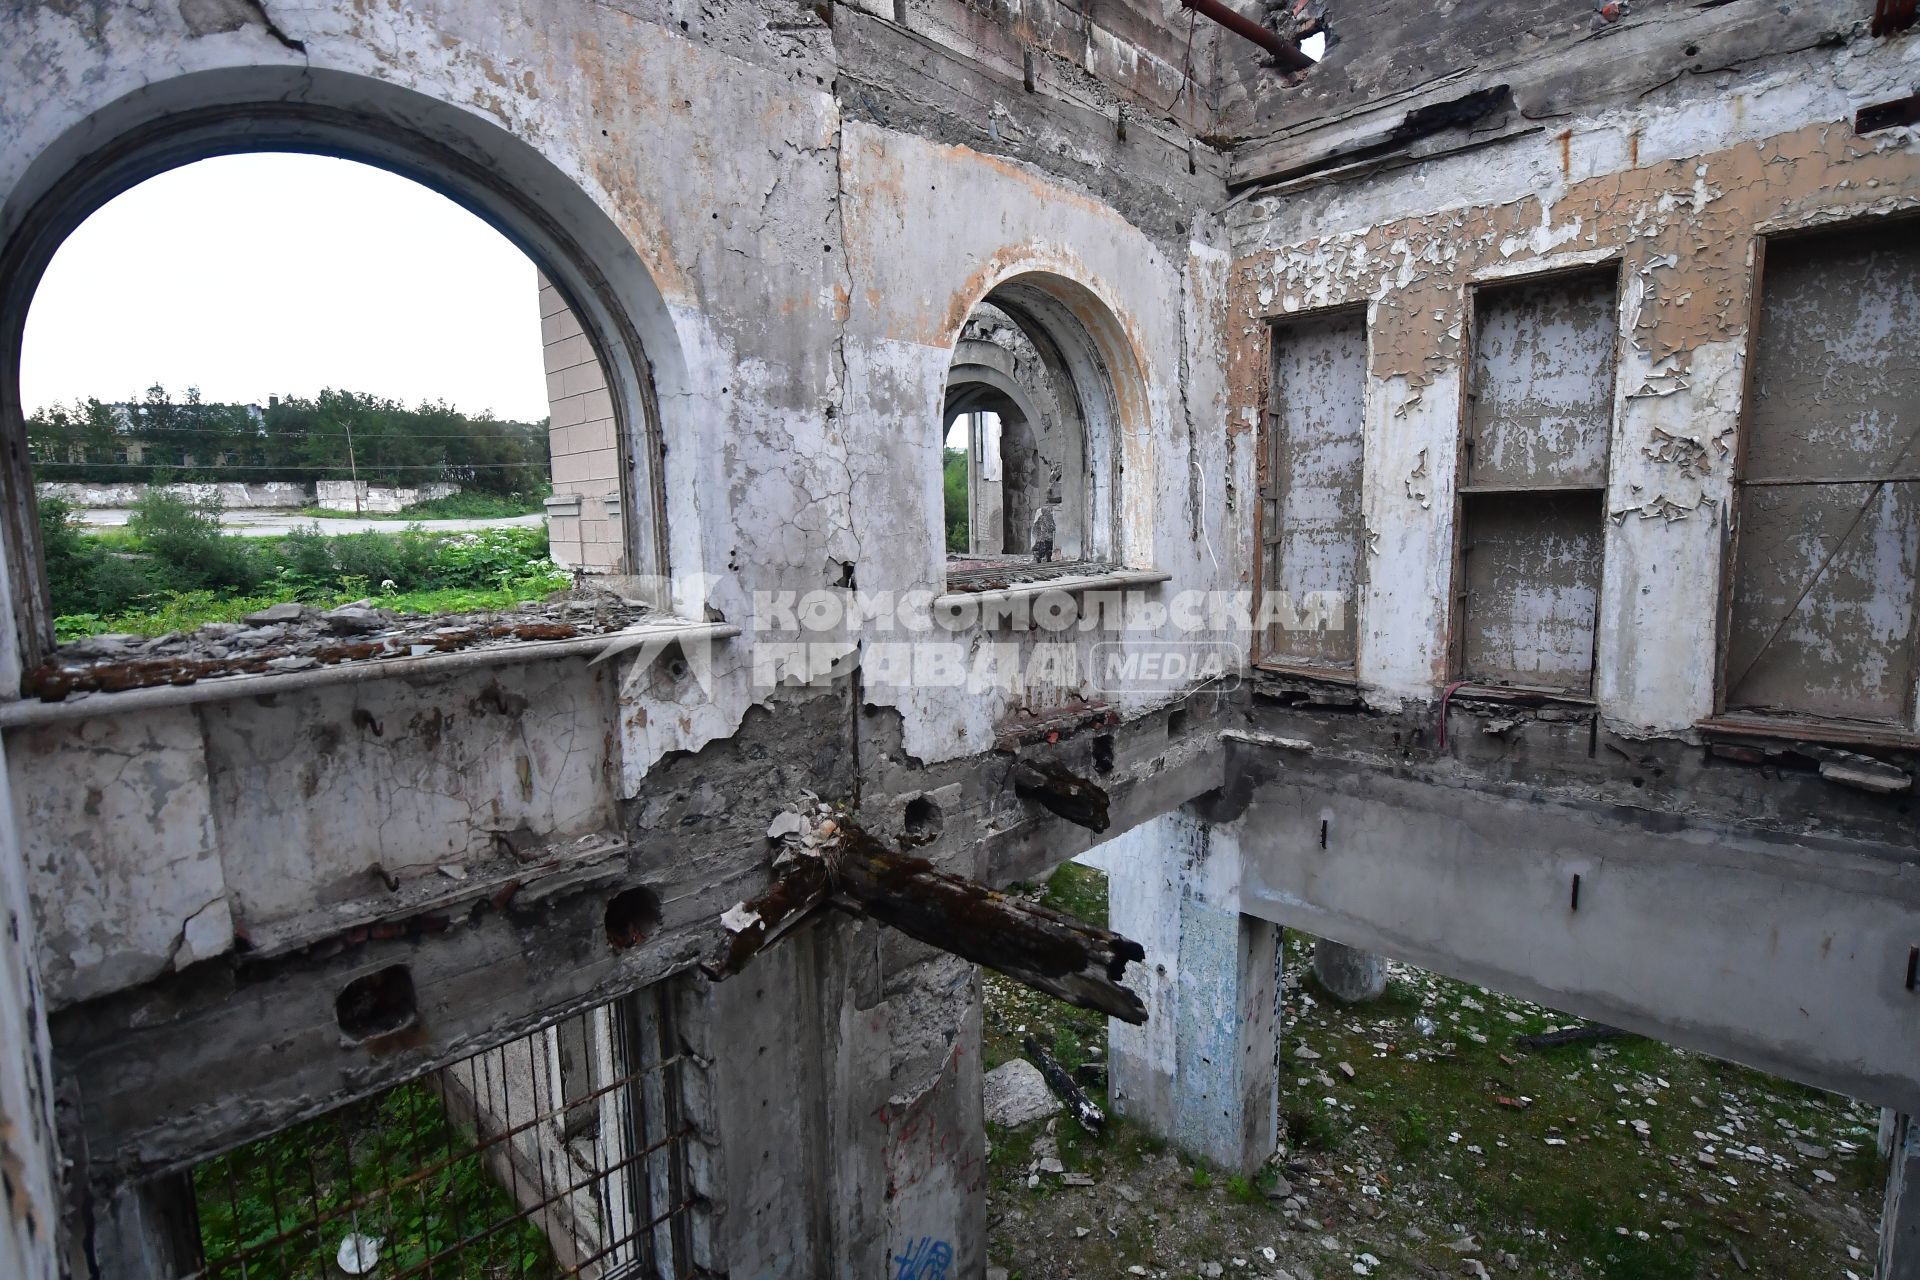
x,y
1036,407
588,270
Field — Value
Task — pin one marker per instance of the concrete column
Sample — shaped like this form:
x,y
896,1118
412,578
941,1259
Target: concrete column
x,y
1202,1072
145,1232
846,1099
1900,1219
1350,975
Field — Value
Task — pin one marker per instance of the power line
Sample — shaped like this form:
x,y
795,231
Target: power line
x,y
398,466
528,427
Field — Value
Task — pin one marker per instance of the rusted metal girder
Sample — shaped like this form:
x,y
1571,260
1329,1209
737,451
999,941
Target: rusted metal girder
x,y
1077,962
1284,52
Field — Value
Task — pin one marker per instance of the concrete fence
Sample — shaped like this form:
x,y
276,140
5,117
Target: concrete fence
x,y
338,495
274,495
270,496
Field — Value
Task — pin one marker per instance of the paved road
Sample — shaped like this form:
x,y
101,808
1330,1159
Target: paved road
x,y
275,524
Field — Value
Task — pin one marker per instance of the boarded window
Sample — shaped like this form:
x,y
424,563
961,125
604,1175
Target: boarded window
x,y
1533,492
1541,404
1313,522
1532,563
1822,619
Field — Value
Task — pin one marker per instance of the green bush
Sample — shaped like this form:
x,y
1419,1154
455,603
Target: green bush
x,y
189,551
492,558
405,559
172,569
84,574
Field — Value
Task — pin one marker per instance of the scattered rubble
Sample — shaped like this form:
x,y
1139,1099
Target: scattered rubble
x,y
298,637
1015,1093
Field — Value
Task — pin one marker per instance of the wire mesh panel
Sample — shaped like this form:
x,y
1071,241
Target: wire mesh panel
x,y
562,1153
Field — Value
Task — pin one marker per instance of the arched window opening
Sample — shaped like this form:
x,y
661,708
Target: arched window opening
x,y
1028,454
274,399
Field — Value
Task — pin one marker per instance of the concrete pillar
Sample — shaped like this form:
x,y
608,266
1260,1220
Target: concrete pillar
x,y
1202,1072
1350,975
1900,1219
846,1099
146,1231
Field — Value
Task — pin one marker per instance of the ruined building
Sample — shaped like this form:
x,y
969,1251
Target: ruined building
x,y
1482,485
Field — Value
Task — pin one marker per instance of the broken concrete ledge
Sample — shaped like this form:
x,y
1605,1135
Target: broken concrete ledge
x,y
1072,584
27,711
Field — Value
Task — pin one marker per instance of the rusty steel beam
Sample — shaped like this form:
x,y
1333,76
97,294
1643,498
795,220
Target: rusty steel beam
x,y
1076,962
1284,52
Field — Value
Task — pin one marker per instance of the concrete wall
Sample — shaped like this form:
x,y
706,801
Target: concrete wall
x,y
273,495
380,499
771,226
30,1216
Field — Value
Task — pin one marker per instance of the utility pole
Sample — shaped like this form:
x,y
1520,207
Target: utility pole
x,y
353,468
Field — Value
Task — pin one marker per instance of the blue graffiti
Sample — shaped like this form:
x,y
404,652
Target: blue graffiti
x,y
925,1259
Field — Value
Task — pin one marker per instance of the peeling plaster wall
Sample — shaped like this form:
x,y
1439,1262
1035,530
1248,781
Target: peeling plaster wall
x,y
1675,188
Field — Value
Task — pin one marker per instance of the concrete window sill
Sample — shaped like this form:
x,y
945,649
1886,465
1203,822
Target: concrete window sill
x,y
1342,676
1072,584
1838,733
1523,695
27,711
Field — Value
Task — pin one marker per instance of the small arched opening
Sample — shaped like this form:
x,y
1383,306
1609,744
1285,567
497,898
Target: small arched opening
x,y
1031,427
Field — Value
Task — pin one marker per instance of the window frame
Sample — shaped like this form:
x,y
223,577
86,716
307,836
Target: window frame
x,y
1610,263
1268,492
1047,307
1725,719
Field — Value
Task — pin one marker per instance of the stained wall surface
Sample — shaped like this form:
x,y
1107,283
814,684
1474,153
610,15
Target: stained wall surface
x,y
1669,193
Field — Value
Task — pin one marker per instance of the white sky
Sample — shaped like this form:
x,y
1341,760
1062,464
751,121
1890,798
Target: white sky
x,y
275,273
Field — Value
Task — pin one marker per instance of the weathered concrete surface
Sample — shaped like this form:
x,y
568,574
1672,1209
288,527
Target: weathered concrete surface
x,y
1349,975
1678,930
1900,1219
770,218
278,495
1015,1093
1203,1070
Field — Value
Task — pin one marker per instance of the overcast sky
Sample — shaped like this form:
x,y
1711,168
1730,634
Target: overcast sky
x,y
270,273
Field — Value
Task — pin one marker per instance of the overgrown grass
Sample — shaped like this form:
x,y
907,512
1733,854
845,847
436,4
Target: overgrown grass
x,y
173,569
353,1169
1465,1132
1537,1152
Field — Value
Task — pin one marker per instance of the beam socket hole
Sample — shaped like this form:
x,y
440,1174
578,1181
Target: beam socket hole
x,y
922,821
632,916
378,1004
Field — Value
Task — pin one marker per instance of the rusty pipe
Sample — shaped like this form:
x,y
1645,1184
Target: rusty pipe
x,y
1285,53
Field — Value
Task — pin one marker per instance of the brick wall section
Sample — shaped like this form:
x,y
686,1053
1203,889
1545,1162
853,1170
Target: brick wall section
x,y
583,516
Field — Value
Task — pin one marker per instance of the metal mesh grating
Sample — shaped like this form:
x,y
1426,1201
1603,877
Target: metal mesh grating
x,y
562,1153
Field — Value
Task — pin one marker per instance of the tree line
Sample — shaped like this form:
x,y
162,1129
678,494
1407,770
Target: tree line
x,y
335,435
